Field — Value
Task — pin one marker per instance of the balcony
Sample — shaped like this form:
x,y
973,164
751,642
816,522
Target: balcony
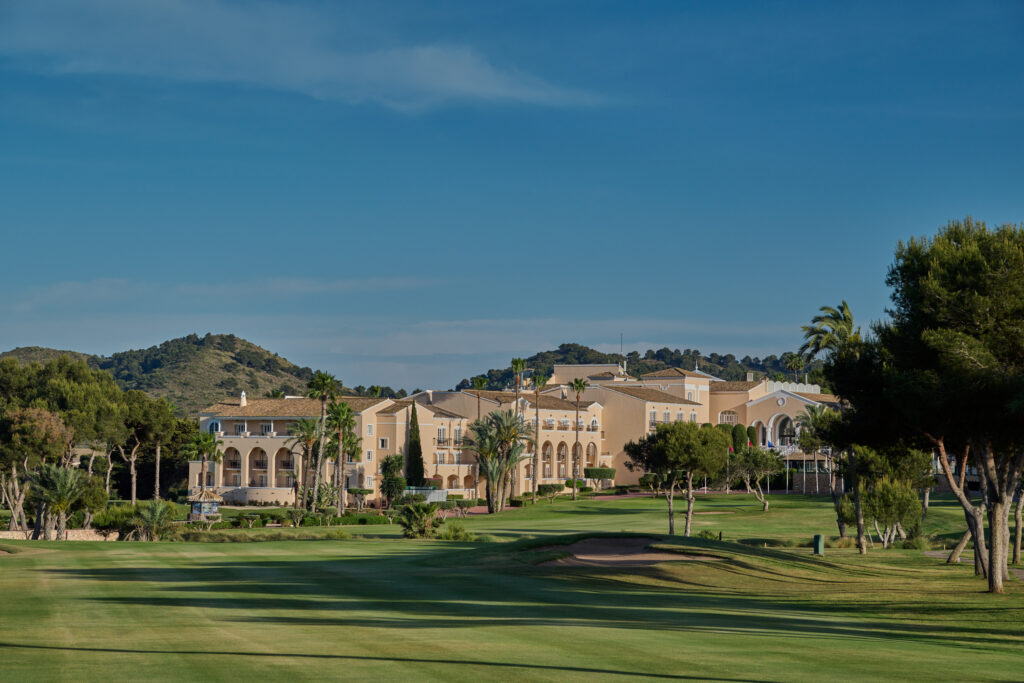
x,y
286,466
592,428
232,464
259,465
442,443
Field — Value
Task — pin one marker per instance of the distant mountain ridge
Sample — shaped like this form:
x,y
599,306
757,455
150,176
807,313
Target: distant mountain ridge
x,y
191,372
726,367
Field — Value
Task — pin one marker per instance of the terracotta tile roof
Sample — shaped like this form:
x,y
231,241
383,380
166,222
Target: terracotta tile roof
x,y
546,402
732,386
602,375
651,395
819,397
284,407
396,407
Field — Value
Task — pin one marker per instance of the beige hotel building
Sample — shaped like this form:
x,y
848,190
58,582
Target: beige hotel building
x,y
261,461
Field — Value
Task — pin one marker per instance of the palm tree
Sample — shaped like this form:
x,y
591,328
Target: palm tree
x,y
579,385
795,363
518,367
324,387
479,382
305,433
829,331
499,441
154,519
539,381
58,488
274,393
206,447
341,419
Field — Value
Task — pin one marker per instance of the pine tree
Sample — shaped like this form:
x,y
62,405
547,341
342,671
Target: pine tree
x,y
414,460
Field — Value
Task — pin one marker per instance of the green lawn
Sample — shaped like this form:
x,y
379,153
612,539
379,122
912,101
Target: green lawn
x,y
384,608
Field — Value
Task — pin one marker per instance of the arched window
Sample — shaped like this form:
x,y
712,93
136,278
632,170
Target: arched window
x,y
728,417
546,451
693,416
679,416
214,427
689,395
591,455
562,451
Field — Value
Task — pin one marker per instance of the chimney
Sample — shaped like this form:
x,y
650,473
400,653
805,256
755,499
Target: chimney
x,y
430,396
750,377
242,402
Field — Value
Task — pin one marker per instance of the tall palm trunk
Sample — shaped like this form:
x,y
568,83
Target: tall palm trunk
x,y
536,448
156,484
476,470
576,449
319,455
339,474
203,468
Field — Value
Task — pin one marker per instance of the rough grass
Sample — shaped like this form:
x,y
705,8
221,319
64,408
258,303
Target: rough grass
x,y
395,609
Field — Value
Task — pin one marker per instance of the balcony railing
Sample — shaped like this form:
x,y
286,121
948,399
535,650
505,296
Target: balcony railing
x,y
233,464
287,465
443,443
592,428
259,464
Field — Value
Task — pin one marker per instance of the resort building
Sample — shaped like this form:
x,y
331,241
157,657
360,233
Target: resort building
x,y
262,461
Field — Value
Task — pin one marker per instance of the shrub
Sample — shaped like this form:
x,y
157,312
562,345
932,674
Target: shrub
x,y
586,489
466,504
420,520
115,519
621,490
579,483
917,543
549,491
707,534
454,531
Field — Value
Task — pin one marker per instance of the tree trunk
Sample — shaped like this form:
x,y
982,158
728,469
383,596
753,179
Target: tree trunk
x,y
62,525
833,483
998,514
87,519
339,475
954,556
575,454
760,495
156,484
976,525
40,521
816,490
134,480
671,511
924,502
92,458
320,454
882,538
862,545
689,503
110,468
899,530
536,451
1018,523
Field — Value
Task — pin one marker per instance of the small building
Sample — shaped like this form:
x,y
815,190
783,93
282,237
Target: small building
x,y
205,506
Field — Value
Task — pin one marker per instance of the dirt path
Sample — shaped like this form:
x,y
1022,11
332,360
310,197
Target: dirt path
x,y
618,552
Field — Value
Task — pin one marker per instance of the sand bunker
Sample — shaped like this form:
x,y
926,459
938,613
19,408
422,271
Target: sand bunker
x,y
618,552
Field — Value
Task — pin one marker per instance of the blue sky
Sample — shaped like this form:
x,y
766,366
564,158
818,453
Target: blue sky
x,y
409,193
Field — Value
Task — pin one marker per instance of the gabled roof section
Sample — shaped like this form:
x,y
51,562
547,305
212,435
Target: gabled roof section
x,y
284,407
650,395
672,373
780,393
717,387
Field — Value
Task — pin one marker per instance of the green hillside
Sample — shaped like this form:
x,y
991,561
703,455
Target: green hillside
x,y
191,372
727,366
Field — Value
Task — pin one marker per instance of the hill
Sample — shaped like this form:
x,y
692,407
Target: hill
x,y
191,372
727,366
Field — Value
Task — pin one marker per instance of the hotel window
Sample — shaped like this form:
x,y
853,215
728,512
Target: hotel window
x,y
728,417
457,435
369,430
679,416
369,480
693,417
654,417
239,429
667,416
214,427
689,395
440,458
369,456
383,443
266,428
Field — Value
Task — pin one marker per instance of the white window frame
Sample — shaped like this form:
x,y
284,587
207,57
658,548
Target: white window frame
x,y
383,443
369,429
369,456
214,427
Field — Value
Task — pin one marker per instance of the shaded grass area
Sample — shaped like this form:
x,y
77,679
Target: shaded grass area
x,y
395,609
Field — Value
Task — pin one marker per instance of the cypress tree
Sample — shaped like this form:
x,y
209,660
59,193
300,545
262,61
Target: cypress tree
x,y
414,459
752,434
739,438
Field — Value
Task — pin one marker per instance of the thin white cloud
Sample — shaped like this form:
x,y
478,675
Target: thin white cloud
x,y
264,44
104,292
